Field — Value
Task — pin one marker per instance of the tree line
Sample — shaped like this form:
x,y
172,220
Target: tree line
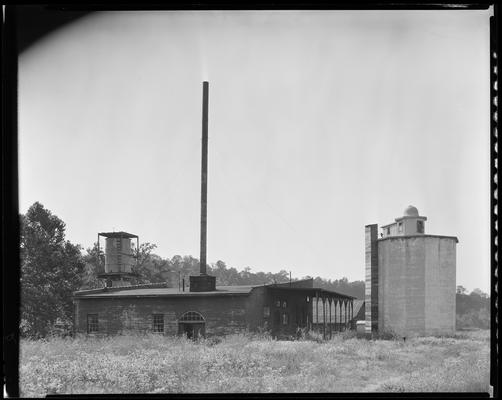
x,y
473,310
52,268
152,268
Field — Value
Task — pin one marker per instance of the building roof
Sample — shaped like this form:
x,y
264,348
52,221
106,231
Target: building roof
x,y
420,235
313,291
162,290
120,234
159,291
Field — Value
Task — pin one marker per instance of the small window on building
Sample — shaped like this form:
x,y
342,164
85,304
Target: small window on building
x,y
399,226
158,323
420,226
266,312
388,231
284,304
278,303
92,323
285,318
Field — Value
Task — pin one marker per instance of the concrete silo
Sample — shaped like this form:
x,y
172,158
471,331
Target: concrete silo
x,y
410,278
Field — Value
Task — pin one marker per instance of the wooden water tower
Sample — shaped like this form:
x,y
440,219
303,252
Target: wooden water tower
x,y
119,257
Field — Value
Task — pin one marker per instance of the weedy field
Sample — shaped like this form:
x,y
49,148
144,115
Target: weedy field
x,y
243,363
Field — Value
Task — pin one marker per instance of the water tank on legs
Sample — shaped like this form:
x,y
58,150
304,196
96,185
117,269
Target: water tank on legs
x,y
119,257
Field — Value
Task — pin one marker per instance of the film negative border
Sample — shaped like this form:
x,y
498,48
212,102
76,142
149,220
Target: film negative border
x,y
494,54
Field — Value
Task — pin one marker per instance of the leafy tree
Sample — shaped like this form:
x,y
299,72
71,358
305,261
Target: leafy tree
x,y
51,270
342,286
145,267
461,289
94,265
480,293
473,310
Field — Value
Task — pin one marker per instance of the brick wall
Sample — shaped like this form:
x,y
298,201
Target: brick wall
x,y
223,315
371,278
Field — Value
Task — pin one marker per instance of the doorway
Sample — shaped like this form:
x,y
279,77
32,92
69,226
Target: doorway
x,y
192,324
192,330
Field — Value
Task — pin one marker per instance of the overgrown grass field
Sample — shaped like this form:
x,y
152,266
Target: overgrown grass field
x,y
242,363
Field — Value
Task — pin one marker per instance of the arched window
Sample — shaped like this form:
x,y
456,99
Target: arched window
x,y
191,316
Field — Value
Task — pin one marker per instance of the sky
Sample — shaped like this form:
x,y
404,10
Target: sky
x,y
319,124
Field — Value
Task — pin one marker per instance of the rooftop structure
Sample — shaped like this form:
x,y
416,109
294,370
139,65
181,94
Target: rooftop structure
x,y
411,223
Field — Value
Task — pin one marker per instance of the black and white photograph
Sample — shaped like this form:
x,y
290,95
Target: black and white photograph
x,y
255,201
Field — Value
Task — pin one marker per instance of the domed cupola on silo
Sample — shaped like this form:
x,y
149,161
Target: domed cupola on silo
x,y
411,223
410,211
119,257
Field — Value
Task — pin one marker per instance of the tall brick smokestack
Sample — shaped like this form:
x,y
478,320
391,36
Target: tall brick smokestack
x,y
203,187
203,282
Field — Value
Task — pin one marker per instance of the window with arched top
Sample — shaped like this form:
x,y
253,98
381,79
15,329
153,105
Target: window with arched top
x,y
191,316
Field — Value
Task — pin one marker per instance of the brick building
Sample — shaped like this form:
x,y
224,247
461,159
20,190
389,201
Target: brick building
x,y
410,278
279,308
